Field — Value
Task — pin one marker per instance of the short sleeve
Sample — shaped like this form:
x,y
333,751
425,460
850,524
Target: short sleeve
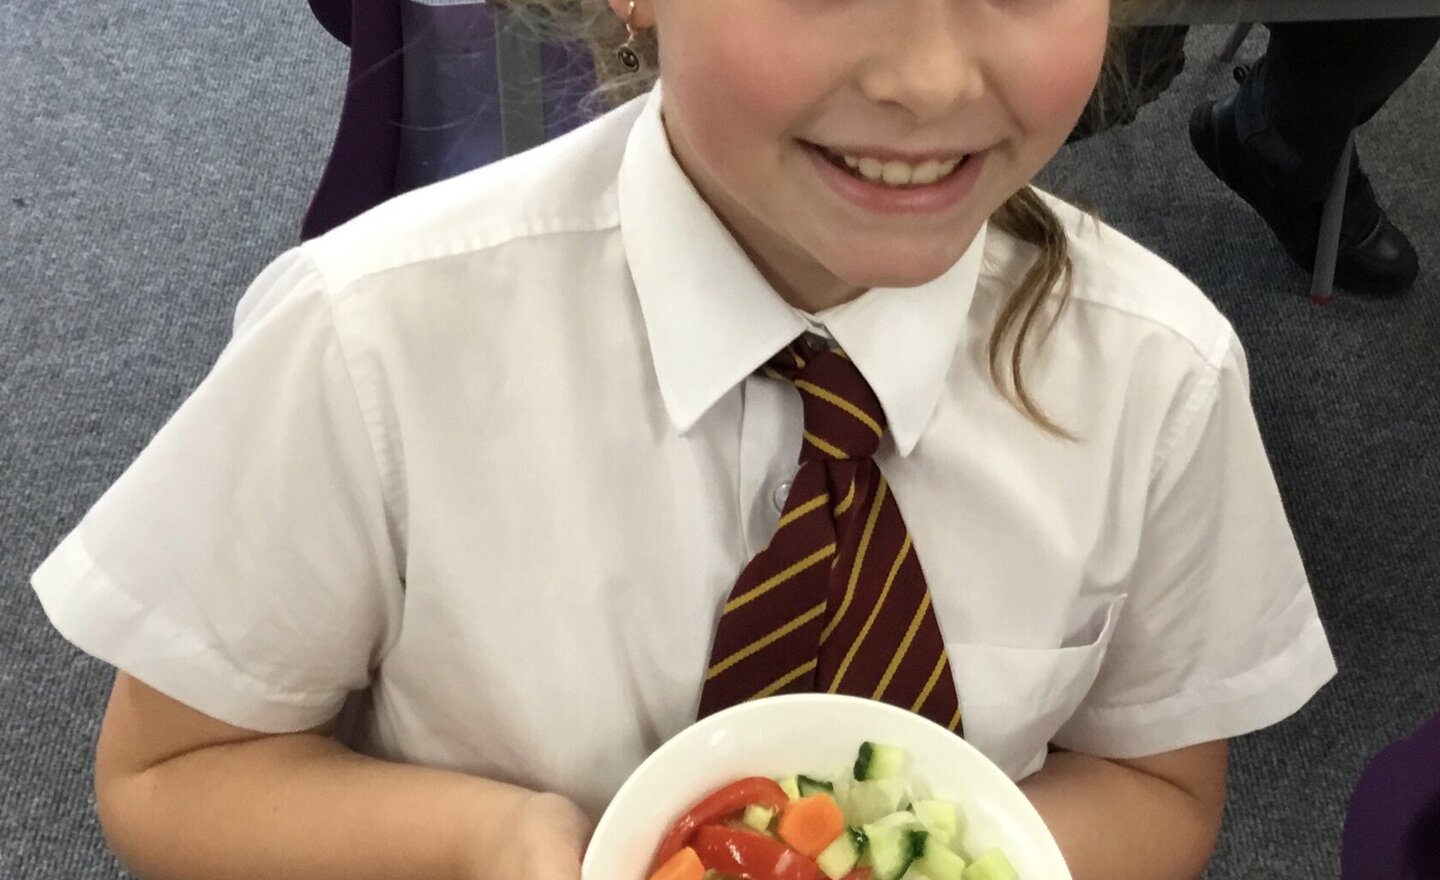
x,y
244,564
1220,635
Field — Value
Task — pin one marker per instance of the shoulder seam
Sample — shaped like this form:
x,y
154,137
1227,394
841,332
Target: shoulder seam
x,y
380,458
1201,399
512,234
1211,358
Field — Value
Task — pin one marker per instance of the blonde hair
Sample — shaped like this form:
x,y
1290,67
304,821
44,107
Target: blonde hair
x,y
1024,216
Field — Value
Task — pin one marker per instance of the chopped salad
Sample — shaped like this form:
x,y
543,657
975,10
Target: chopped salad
x,y
868,823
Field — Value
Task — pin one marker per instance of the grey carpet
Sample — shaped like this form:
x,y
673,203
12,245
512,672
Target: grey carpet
x,y
154,156
1348,397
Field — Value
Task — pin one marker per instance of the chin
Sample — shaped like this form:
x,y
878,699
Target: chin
x,y
866,270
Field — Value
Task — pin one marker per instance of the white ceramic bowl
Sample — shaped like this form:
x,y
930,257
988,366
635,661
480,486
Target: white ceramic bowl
x,y
814,734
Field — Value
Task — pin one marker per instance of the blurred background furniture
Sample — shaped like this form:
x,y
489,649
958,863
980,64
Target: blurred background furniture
x,y
1392,825
437,87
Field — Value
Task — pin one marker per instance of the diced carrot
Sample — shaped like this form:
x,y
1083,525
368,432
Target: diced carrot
x,y
810,824
684,865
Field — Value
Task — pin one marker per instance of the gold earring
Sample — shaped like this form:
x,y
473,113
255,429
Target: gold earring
x,y
629,58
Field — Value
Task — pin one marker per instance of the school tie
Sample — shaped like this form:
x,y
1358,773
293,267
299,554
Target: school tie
x,y
837,601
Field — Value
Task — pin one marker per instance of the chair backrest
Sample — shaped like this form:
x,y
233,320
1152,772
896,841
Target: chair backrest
x,y
1392,825
436,88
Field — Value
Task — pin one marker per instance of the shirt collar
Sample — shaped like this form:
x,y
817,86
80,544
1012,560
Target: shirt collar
x,y
712,319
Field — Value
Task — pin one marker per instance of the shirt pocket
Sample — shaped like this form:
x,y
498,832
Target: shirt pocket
x,y
1013,700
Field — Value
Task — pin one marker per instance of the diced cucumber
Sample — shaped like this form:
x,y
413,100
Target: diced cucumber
x,y
890,852
991,866
872,800
791,786
843,783
935,859
759,817
809,786
902,820
878,761
939,818
840,857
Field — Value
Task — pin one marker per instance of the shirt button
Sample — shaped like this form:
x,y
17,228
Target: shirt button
x,y
782,492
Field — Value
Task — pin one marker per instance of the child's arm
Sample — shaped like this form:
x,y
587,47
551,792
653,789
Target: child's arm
x,y
1152,818
183,795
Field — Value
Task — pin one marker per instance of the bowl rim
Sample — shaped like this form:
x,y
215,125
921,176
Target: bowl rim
x,y
704,725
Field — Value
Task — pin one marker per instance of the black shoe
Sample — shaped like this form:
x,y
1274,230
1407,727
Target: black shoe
x,y
1374,258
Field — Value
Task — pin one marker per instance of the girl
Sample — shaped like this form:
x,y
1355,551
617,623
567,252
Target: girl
x,y
483,466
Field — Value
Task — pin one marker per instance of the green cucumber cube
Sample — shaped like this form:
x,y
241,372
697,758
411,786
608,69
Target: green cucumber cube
x,y
809,786
903,820
890,851
759,817
791,786
872,800
935,860
841,856
991,866
940,818
879,761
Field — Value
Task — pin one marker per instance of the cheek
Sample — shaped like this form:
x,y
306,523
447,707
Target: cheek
x,y
741,89
1052,77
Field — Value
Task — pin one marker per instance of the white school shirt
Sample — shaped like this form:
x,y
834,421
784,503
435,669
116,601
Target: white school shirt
x,y
494,454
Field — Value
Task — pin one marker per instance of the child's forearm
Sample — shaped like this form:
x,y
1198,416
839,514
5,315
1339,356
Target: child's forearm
x,y
1115,822
301,807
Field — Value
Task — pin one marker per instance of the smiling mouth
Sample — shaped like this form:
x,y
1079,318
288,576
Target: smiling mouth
x,y
900,175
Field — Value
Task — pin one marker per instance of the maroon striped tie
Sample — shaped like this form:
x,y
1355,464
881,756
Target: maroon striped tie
x,y
837,601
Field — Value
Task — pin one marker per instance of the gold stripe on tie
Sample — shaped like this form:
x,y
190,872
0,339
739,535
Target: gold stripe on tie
x,y
954,719
761,643
859,560
831,397
777,684
845,503
828,448
774,373
904,646
874,613
787,519
765,587
930,682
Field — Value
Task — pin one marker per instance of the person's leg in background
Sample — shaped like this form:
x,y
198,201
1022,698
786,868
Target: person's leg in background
x,y
1276,142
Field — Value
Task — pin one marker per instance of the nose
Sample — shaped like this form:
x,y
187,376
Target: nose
x,y
926,61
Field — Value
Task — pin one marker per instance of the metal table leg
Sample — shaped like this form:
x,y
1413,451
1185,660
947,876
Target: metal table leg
x,y
1322,283
1237,37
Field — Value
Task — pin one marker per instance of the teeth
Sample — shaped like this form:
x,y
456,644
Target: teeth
x,y
901,173
927,173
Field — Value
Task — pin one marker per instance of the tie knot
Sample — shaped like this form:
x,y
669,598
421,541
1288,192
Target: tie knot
x,y
843,418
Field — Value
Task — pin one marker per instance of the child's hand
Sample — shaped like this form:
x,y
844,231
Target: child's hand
x,y
544,840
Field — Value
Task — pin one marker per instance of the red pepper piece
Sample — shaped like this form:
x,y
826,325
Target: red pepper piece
x,y
750,855
719,805
858,874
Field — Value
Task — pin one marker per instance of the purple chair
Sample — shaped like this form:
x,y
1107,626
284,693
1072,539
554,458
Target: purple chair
x,y
436,88
1392,826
